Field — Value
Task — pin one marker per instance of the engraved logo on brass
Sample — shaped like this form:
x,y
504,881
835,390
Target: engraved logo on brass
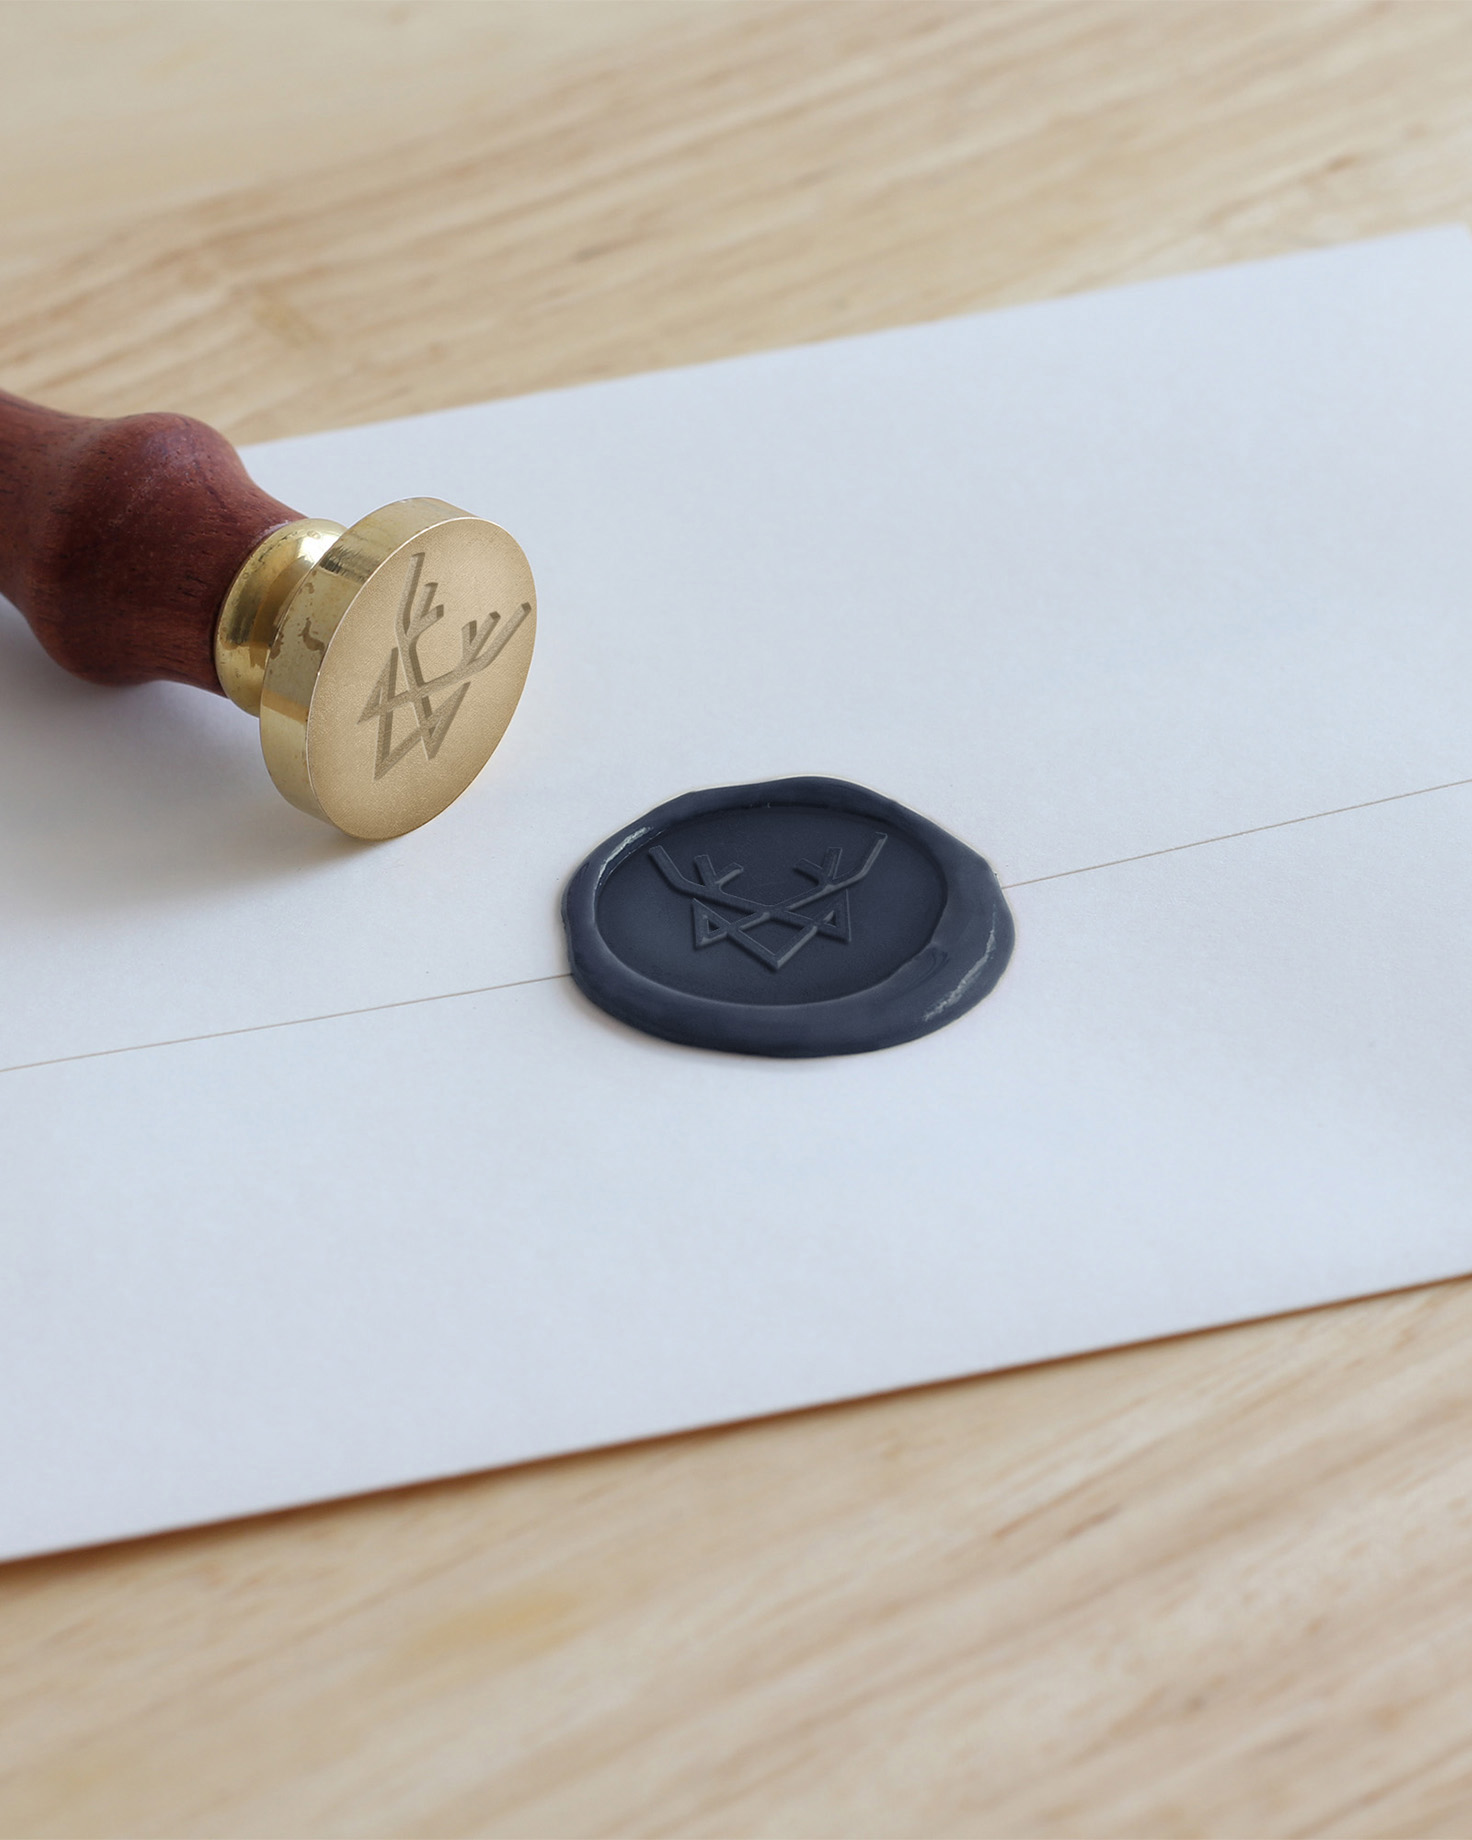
x,y
821,913
481,641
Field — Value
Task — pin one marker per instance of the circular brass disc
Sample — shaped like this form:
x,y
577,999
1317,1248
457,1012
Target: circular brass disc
x,y
397,666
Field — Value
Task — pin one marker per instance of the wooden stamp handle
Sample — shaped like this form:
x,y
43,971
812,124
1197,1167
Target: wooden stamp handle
x,y
119,539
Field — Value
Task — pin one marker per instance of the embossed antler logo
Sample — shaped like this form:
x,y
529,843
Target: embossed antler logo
x,y
821,913
480,642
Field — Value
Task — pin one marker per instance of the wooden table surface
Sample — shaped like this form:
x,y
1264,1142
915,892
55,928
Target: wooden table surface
x,y
1215,1586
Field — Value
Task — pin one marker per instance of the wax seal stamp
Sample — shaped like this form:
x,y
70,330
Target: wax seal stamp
x,y
384,660
792,917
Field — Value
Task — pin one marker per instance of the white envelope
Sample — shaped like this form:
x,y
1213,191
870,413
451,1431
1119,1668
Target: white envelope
x,y
320,1176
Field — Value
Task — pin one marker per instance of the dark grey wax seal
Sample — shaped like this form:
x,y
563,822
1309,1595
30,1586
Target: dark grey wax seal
x,y
792,917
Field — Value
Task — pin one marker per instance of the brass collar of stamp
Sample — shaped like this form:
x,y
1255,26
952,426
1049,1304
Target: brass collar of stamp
x,y
385,660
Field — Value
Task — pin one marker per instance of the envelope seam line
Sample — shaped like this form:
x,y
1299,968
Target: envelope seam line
x,y
1253,830
285,1022
481,990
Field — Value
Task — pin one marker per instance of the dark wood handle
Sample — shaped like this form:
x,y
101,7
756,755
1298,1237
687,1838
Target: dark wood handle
x,y
118,539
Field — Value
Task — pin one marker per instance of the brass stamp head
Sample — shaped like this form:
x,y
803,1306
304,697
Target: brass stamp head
x,y
385,660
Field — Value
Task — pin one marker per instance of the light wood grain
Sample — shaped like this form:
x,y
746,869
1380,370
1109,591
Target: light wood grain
x,y
1217,1586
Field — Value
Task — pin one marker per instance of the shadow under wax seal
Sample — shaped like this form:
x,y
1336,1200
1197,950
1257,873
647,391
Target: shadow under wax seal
x,y
792,917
